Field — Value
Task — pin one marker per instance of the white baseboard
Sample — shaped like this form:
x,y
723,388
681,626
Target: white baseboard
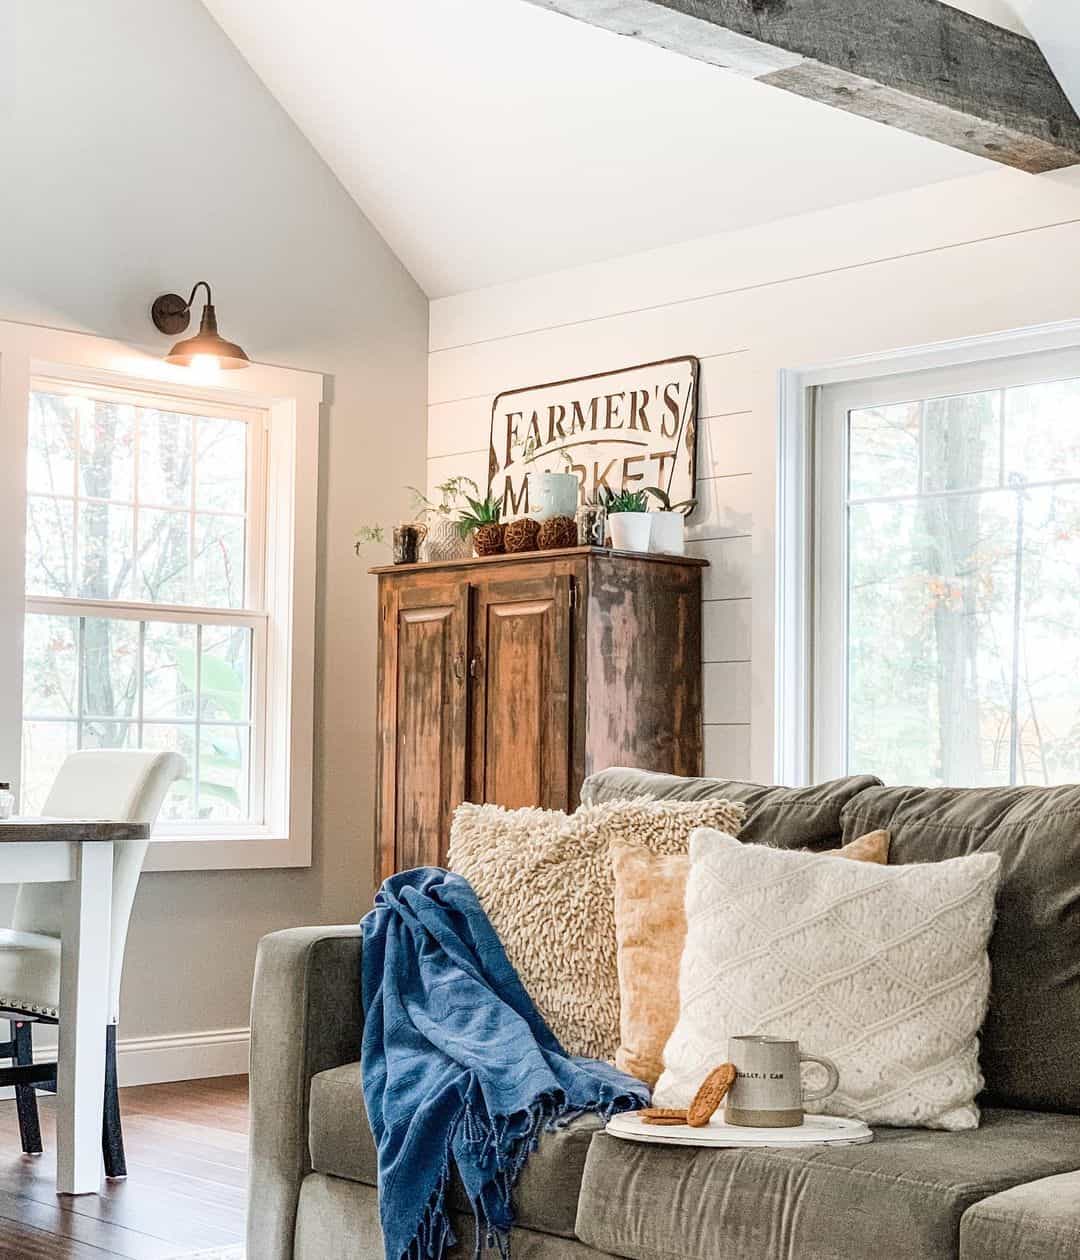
x,y
176,1057
182,1057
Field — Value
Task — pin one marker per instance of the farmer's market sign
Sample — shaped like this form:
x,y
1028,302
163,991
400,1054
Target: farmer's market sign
x,y
629,429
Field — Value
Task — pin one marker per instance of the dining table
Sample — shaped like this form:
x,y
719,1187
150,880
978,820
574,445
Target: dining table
x,y
79,854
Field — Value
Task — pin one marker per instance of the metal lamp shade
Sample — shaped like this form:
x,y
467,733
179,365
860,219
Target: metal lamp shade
x,y
208,343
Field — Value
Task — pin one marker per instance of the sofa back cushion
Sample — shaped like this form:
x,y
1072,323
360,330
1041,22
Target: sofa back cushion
x,y
787,818
1030,1044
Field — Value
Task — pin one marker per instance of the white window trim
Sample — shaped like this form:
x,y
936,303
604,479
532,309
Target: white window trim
x,y
291,401
798,605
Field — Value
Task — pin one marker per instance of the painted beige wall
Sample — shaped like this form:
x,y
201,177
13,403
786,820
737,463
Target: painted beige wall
x,y
138,153
954,260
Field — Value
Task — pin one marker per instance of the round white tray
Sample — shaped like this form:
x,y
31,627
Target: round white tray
x,y
814,1131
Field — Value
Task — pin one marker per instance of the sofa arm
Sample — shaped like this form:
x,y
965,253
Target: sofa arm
x,y
306,1016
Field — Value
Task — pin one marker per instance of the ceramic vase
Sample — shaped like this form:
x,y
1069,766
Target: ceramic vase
x,y
552,494
668,533
630,531
444,541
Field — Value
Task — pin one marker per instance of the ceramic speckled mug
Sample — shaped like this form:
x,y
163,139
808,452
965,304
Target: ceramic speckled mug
x,y
768,1091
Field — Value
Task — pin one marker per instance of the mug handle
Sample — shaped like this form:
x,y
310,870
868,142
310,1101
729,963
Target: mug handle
x,y
830,1086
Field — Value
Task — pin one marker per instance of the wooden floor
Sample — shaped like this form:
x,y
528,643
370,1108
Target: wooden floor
x,y
187,1158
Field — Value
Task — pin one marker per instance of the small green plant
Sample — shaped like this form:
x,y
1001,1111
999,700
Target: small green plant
x,y
624,501
450,493
481,512
666,505
366,535
530,451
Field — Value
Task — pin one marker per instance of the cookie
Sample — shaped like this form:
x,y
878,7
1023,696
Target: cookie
x,y
713,1090
664,1120
664,1113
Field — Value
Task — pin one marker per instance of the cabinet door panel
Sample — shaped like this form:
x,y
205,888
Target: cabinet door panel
x,y
521,693
428,727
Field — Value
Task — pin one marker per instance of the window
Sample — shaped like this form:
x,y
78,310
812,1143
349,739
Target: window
x,y
160,585
946,561
145,625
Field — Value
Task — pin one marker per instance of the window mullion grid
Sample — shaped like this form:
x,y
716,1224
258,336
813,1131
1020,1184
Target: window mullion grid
x,y
141,678
1001,438
80,682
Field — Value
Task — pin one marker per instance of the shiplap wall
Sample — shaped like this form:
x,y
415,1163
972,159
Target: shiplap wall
x,y
953,260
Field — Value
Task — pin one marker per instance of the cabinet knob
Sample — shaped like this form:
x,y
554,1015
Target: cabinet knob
x,y
459,666
474,667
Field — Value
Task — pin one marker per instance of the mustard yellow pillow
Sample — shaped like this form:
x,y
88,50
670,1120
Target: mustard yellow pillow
x,y
650,929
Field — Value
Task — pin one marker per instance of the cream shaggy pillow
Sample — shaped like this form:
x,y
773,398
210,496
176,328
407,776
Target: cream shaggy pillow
x,y
882,969
545,880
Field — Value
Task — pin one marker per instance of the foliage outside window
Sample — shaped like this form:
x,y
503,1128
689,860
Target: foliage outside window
x,y
143,620
954,647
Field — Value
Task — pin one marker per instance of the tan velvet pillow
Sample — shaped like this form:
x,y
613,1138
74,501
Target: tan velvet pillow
x,y
650,929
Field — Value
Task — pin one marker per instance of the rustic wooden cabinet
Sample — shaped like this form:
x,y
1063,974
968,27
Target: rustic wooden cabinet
x,y
511,678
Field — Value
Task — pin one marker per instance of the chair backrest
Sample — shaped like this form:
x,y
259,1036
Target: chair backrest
x,y
121,785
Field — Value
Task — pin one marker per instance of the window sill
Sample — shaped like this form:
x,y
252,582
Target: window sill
x,y
257,850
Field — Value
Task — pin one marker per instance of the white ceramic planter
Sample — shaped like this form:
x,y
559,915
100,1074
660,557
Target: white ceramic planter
x,y
669,533
444,542
630,531
553,494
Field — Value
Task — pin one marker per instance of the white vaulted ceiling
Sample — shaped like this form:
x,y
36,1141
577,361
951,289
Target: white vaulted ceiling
x,y
489,140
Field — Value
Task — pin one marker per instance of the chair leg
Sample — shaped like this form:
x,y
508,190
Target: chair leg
x,y
112,1135
22,1033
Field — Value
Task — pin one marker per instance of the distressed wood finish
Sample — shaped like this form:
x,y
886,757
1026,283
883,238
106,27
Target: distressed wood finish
x,y
644,673
509,678
520,673
423,720
922,66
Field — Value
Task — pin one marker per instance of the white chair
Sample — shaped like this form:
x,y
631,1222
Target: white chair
x,y
122,786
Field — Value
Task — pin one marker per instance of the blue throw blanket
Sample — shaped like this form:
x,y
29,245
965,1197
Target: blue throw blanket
x,y
458,1065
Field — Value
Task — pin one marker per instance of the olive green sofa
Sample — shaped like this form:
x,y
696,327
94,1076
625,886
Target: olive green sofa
x,y
1008,1191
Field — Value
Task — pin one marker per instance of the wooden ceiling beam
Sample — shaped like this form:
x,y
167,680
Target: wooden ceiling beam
x,y
918,65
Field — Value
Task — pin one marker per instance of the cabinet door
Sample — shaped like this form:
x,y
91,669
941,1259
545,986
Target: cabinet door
x,y
423,730
521,711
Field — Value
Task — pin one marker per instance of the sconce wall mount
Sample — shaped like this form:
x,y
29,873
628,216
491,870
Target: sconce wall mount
x,y
172,315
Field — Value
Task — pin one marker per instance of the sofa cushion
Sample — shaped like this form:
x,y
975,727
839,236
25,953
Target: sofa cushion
x,y
901,1196
341,1145
790,818
1028,1044
1036,1221
337,1218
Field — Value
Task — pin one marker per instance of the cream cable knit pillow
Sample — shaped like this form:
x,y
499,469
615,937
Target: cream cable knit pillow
x,y
882,969
546,882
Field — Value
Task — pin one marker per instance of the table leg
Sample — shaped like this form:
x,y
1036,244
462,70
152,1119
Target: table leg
x,y
84,1013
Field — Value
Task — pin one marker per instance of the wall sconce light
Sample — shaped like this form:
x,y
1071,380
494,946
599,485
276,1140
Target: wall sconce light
x,y
171,315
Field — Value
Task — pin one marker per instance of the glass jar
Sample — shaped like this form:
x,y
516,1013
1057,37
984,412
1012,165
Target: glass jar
x,y
591,525
406,544
7,801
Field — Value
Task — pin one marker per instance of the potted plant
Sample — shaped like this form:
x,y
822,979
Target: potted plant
x,y
669,523
445,539
407,538
482,523
629,519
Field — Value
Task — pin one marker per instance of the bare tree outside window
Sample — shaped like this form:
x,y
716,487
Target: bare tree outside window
x,y
137,629
963,545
